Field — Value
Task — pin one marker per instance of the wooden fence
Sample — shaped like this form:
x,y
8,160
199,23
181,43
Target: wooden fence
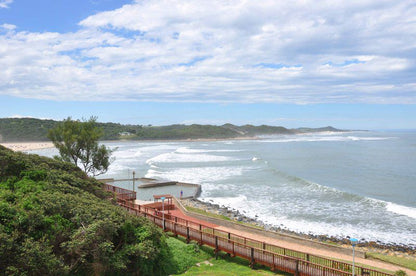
x,y
121,194
255,251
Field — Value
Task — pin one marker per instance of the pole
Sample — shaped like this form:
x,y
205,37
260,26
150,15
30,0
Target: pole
x,y
134,173
353,243
163,212
353,260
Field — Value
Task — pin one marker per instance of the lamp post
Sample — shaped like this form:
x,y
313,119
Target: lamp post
x,y
353,243
134,174
163,212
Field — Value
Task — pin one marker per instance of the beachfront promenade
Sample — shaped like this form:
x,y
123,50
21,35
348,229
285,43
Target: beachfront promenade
x,y
257,250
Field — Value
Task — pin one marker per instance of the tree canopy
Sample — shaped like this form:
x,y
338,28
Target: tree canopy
x,y
29,129
77,143
54,220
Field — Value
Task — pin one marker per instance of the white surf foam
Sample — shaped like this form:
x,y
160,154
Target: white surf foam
x,y
197,175
401,210
233,202
189,150
285,139
172,157
269,213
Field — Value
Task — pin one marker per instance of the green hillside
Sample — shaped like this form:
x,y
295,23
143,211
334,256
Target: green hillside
x,y
29,129
54,220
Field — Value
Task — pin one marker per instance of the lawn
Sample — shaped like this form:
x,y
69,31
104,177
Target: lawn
x,y
192,259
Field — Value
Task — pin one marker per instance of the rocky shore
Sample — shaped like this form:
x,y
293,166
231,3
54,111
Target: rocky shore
x,y
235,215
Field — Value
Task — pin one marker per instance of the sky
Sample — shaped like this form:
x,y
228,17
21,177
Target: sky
x,y
302,63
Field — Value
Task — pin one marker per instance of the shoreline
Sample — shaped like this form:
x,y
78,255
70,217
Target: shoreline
x,y
36,145
188,140
236,216
27,146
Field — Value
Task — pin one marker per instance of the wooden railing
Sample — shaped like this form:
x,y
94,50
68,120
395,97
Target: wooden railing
x,y
255,251
122,194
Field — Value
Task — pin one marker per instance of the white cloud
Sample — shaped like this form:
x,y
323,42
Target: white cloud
x,y
8,27
222,51
5,3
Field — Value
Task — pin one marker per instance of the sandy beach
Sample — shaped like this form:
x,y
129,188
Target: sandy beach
x,y
27,146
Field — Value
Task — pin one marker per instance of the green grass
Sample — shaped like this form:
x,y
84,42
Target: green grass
x,y
184,255
187,256
205,213
224,267
403,261
217,216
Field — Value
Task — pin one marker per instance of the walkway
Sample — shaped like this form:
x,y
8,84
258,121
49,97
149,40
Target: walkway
x,y
315,251
295,246
257,248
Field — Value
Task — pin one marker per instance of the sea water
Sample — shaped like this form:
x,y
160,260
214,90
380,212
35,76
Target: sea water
x,y
355,184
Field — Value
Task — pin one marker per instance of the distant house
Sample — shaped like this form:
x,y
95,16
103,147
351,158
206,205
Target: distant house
x,y
124,133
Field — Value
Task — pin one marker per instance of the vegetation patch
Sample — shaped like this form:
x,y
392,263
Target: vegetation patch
x,y
407,262
55,220
205,213
30,129
192,259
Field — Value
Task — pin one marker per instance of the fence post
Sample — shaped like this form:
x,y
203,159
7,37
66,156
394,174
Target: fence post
x,y
188,238
252,258
216,247
297,268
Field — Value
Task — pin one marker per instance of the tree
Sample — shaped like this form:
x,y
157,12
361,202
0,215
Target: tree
x,y
77,143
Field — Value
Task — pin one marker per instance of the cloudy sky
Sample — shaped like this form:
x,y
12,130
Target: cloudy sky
x,y
350,64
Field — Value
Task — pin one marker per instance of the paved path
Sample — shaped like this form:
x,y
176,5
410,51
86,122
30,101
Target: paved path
x,y
295,246
314,251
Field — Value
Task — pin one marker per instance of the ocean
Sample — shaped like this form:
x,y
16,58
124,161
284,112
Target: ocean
x,y
355,184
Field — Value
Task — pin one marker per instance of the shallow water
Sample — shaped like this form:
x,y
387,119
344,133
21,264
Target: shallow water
x,y
357,184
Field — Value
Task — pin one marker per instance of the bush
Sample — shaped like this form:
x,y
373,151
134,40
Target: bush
x,y
54,221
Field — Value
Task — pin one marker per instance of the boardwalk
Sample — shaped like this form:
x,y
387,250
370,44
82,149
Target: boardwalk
x,y
254,250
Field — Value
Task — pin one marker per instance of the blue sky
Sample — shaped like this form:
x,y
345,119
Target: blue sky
x,y
350,64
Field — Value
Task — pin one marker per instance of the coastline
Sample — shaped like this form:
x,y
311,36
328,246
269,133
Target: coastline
x,y
233,214
188,140
27,146
36,145
367,246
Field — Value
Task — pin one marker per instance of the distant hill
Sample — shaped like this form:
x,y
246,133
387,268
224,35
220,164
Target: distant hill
x,y
30,129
